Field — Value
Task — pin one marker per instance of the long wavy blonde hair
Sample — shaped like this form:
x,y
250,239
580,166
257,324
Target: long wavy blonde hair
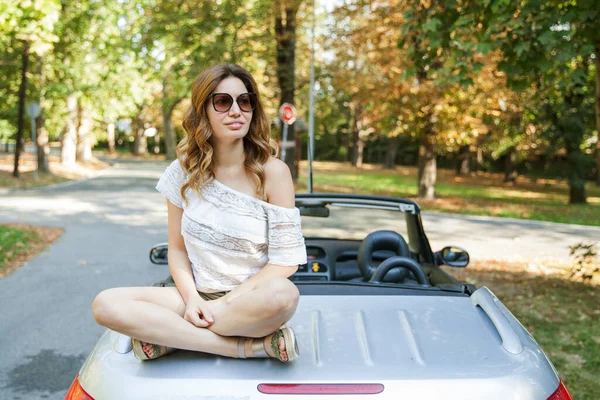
x,y
195,151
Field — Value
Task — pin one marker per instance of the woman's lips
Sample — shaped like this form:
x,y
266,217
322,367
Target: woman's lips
x,y
235,126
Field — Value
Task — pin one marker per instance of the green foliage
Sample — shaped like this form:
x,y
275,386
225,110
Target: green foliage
x,y
546,49
13,243
31,21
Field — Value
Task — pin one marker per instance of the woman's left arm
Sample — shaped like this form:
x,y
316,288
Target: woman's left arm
x,y
279,190
267,272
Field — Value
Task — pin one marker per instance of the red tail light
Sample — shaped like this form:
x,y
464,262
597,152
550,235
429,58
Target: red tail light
x,y
313,388
561,393
76,392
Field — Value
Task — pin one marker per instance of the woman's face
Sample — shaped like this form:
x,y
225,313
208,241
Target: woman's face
x,y
234,123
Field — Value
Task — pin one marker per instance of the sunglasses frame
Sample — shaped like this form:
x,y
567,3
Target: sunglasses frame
x,y
252,97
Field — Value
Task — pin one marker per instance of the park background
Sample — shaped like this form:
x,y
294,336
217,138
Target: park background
x,y
473,107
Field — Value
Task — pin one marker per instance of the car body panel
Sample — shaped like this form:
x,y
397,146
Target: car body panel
x,y
418,346
448,341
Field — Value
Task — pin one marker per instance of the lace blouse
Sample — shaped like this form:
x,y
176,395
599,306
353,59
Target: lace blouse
x,y
230,235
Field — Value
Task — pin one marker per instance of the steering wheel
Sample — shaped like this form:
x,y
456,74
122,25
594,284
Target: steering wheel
x,y
393,269
402,262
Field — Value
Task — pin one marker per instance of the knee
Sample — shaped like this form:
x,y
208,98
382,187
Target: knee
x,y
281,296
104,307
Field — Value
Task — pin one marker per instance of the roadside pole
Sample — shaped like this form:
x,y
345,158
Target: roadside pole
x,y
311,107
284,141
33,111
287,113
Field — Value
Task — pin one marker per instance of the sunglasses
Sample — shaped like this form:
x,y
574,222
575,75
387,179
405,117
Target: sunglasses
x,y
222,102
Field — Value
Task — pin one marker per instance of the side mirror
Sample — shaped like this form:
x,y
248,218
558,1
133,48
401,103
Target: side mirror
x,y
159,254
452,256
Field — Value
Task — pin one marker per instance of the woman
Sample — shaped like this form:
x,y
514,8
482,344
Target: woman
x,y
234,236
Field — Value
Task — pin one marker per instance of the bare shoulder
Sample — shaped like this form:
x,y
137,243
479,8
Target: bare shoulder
x,y
276,168
279,186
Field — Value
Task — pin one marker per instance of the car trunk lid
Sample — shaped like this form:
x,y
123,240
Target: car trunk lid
x,y
411,344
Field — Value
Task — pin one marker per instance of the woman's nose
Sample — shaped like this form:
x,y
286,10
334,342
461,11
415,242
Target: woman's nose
x,y
235,108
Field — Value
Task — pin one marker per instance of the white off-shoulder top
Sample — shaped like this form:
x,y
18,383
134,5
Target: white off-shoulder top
x,y
229,235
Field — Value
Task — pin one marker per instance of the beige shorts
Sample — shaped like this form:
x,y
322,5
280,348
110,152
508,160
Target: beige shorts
x,y
205,296
212,296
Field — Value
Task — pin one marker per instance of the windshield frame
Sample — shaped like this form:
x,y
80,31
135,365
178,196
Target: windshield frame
x,y
418,242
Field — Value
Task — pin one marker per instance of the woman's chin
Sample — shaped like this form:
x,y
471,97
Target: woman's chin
x,y
231,135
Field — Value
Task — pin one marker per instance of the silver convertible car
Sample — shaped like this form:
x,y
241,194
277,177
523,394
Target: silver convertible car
x,y
377,319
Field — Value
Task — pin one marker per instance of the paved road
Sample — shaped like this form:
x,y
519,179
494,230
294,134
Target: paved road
x,y
111,221
46,327
505,238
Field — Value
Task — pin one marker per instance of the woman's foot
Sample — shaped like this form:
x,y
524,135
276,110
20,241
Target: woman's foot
x,y
281,345
148,351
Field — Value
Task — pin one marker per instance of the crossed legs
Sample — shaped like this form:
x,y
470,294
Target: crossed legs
x,y
155,315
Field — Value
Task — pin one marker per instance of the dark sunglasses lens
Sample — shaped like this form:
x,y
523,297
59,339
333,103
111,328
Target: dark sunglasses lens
x,y
247,102
222,102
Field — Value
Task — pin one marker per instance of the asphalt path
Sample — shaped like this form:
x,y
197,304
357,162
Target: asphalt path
x,y
46,325
110,222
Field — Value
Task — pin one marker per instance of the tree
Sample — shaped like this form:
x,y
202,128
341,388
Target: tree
x,y
285,12
180,40
365,74
543,47
427,42
34,31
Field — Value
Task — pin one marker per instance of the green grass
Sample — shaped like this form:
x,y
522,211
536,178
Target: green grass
x,y
480,195
561,314
561,317
14,243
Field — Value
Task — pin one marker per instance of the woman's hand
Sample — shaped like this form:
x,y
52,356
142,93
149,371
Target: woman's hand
x,y
198,312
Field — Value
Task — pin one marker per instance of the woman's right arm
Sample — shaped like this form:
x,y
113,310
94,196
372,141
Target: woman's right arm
x,y
181,270
179,263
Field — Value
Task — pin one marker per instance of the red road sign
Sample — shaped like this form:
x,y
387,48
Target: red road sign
x,y
287,113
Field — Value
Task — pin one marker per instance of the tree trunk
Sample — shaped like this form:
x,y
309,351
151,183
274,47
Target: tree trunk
x,y
285,34
597,62
110,134
360,147
463,161
427,170
575,158
168,128
479,158
140,144
69,139
22,94
156,143
510,173
391,153
345,138
354,138
427,161
577,195
169,133
43,144
84,132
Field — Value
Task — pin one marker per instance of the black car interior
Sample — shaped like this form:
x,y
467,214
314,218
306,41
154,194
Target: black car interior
x,y
355,260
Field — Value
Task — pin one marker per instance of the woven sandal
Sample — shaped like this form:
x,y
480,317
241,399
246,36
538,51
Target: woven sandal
x,y
255,348
148,351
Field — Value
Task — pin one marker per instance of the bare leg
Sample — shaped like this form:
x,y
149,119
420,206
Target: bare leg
x,y
155,315
259,312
